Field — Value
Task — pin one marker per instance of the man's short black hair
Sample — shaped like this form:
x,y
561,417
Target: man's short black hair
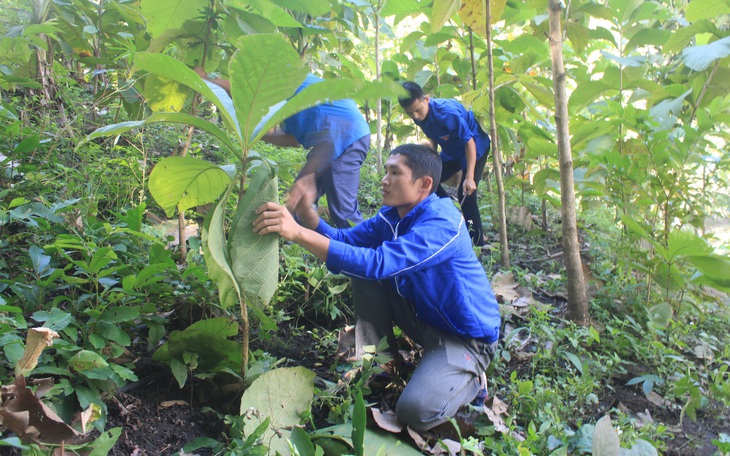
x,y
415,92
423,161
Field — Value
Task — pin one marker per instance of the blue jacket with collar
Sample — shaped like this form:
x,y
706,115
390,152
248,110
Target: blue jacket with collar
x,y
427,257
451,125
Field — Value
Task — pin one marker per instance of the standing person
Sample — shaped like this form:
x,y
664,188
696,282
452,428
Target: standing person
x,y
464,147
413,266
338,139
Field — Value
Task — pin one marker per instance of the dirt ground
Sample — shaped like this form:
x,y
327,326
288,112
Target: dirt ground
x,y
158,418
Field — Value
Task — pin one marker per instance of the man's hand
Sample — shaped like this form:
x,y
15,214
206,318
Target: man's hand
x,y
302,195
274,218
469,186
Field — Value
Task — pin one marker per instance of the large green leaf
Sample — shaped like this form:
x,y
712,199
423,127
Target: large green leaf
x,y
186,182
326,91
163,15
282,396
706,9
264,71
683,243
605,439
666,111
400,7
219,273
586,93
255,258
442,12
699,58
163,94
266,11
177,72
171,117
311,7
216,254
714,270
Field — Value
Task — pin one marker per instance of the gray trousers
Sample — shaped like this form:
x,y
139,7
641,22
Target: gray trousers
x,y
340,181
448,375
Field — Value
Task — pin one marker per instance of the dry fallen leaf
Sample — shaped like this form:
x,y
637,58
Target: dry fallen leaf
x,y
446,447
504,287
387,421
23,413
37,341
165,404
494,411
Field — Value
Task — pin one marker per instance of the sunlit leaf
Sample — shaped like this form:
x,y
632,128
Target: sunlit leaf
x,y
174,70
666,111
682,243
282,396
701,57
706,9
163,15
443,10
311,7
473,14
330,90
185,182
264,71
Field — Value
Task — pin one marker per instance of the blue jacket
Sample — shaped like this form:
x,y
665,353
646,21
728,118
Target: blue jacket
x,y
452,126
427,257
337,123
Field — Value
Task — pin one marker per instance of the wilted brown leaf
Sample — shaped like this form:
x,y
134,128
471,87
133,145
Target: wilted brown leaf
x,y
387,421
36,341
23,413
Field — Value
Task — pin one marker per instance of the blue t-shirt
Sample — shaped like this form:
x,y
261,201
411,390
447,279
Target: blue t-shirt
x,y
338,123
452,126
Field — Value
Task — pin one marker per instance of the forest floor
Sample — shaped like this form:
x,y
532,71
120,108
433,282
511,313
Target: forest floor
x,y
158,418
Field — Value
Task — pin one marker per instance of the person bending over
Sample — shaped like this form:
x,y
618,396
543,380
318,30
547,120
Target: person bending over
x,y
338,139
412,265
464,147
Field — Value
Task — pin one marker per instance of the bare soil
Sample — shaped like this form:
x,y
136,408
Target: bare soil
x,y
158,418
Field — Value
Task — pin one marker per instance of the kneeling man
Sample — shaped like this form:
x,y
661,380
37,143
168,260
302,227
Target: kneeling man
x,y
413,266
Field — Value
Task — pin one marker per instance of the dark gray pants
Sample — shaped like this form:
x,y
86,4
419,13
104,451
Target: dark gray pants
x,y
448,375
340,181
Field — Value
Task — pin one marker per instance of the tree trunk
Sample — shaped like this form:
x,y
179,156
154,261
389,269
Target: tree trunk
x,y
577,300
496,155
379,105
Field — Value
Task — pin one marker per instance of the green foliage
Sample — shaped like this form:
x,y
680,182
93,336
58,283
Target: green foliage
x,y
648,119
293,389
203,347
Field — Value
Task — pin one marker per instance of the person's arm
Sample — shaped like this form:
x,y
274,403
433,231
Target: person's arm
x,y
470,151
278,137
274,218
222,83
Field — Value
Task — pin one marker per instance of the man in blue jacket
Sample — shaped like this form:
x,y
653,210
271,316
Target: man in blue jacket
x,y
413,266
464,147
338,139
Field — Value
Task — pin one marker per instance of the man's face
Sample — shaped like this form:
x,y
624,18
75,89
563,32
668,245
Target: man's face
x,y
398,187
418,110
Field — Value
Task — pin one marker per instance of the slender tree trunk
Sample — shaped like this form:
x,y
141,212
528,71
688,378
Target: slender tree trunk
x,y
379,106
577,300
496,155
